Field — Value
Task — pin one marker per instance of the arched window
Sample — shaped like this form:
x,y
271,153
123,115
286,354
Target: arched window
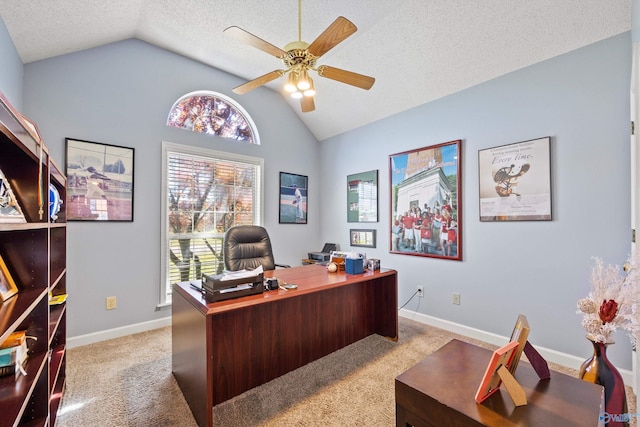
x,y
215,114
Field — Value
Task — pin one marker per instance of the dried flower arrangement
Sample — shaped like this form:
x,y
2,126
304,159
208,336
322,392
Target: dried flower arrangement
x,y
613,302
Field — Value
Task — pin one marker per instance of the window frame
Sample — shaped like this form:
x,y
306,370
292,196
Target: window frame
x,y
171,147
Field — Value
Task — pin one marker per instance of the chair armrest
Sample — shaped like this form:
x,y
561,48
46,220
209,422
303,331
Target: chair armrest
x,y
282,265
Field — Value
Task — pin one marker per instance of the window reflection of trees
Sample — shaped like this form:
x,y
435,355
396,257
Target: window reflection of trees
x,y
206,197
213,115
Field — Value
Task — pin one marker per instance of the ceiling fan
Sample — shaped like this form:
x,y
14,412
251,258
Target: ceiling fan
x,y
300,57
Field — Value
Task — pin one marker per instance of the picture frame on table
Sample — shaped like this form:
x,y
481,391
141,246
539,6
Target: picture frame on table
x,y
100,184
362,238
515,181
8,287
426,201
362,197
294,199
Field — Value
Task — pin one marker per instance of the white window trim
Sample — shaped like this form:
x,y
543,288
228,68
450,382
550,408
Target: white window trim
x,y
170,147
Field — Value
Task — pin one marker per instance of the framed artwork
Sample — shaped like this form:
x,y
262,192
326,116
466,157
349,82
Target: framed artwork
x,y
293,198
362,197
364,238
8,287
515,181
426,195
99,181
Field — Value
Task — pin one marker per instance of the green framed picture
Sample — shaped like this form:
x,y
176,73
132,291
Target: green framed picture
x,y
362,197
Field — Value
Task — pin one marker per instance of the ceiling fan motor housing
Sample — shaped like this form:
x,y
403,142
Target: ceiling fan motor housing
x,y
299,58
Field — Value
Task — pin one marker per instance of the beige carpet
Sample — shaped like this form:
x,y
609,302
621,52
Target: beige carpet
x,y
127,382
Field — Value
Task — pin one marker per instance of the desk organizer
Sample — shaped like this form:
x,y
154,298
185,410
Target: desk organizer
x,y
220,290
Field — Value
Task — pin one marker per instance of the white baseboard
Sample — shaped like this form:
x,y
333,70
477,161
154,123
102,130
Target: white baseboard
x,y
117,332
550,355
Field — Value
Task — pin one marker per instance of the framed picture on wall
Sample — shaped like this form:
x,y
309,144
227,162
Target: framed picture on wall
x,y
363,238
293,198
99,181
362,197
515,181
426,195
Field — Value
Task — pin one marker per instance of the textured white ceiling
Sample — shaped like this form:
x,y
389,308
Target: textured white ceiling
x,y
418,50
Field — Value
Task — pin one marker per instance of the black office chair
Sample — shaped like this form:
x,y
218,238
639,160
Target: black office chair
x,y
247,247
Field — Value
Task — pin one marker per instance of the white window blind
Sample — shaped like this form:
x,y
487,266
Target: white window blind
x,y
206,193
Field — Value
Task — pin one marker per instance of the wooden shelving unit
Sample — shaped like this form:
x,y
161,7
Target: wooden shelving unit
x,y
35,253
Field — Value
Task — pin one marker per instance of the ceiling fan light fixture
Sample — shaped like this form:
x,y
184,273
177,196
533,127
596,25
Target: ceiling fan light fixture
x,y
303,80
312,89
296,95
290,86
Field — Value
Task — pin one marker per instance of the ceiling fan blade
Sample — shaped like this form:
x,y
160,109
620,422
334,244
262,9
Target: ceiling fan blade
x,y
335,33
255,41
307,104
257,82
348,77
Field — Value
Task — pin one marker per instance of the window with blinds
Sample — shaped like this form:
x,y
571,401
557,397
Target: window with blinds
x,y
206,193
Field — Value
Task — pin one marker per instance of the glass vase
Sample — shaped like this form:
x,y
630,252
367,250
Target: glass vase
x,y
599,370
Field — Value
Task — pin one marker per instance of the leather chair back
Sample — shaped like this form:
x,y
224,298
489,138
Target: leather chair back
x,y
247,247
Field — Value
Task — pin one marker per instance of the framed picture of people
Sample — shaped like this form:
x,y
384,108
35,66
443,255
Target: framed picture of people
x,y
426,209
515,181
293,198
99,181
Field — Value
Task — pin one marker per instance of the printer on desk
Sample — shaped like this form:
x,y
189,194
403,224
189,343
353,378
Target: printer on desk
x,y
324,255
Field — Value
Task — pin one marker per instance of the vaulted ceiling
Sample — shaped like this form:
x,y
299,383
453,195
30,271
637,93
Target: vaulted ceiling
x,y
418,50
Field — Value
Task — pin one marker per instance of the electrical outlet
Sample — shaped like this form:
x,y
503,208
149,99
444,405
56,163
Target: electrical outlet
x,y
456,298
111,303
421,291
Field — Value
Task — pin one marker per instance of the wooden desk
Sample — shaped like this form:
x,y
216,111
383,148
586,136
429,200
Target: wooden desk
x,y
222,349
440,390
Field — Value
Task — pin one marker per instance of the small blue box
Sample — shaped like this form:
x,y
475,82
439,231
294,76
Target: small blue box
x,y
354,266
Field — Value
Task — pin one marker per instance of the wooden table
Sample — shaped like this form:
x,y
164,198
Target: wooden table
x,y
440,390
221,349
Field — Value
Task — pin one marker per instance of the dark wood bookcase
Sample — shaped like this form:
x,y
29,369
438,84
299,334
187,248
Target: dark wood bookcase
x,y
35,254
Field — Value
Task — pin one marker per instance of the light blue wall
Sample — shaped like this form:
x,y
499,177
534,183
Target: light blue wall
x,y
121,94
11,71
540,269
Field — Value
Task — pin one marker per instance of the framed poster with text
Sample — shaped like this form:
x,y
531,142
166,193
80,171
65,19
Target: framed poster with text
x,y
515,181
362,197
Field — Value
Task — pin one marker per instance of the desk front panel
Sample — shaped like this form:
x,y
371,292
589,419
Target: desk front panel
x,y
260,342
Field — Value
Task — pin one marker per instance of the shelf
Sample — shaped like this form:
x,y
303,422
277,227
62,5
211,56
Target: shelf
x,y
55,363
16,309
35,254
17,388
55,314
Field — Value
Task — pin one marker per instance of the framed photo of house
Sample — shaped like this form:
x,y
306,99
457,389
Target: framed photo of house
x,y
426,195
99,181
362,197
293,198
8,287
363,238
515,181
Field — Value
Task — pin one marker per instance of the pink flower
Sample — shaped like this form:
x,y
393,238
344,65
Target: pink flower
x,y
608,310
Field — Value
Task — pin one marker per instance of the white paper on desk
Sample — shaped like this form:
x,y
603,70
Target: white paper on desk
x,y
241,274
